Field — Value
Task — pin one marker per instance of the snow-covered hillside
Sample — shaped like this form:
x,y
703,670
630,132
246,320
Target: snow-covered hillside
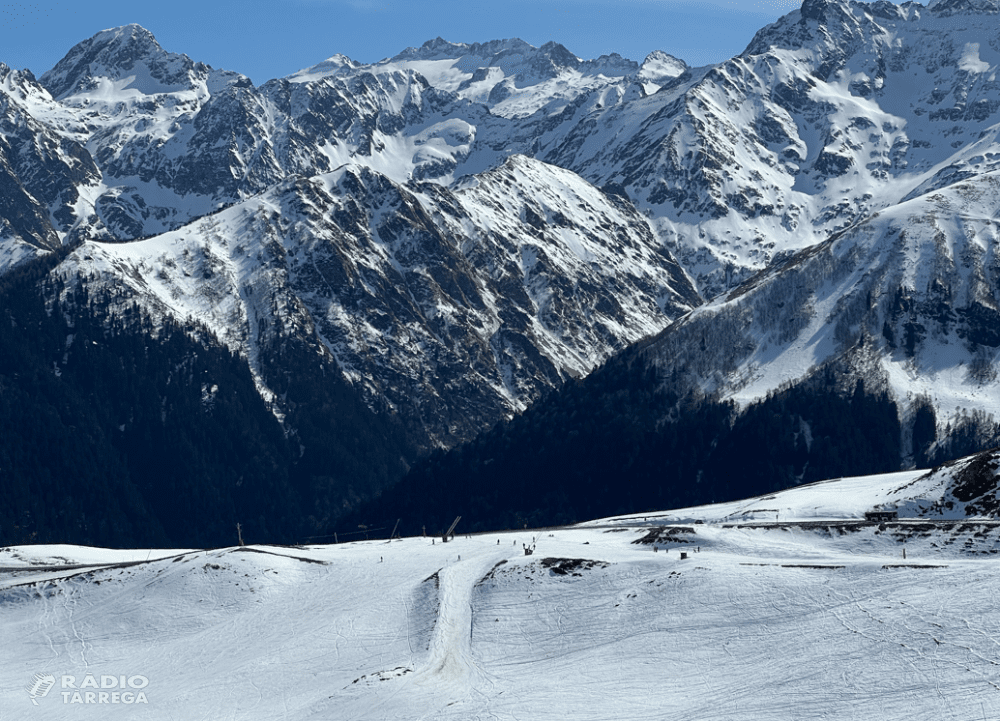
x,y
815,614
905,300
453,306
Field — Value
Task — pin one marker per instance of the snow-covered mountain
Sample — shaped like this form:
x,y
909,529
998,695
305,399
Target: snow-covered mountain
x,y
461,226
836,111
299,208
452,306
658,614
905,300
175,139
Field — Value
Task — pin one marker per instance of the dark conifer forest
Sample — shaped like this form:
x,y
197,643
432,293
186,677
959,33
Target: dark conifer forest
x,y
108,438
111,439
620,442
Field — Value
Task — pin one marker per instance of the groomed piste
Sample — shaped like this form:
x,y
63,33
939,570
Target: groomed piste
x,y
790,606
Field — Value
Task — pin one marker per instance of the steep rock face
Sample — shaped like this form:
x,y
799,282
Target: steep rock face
x,y
45,175
452,308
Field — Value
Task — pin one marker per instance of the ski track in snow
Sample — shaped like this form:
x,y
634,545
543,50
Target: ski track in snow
x,y
804,617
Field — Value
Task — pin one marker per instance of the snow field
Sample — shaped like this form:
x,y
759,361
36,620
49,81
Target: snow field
x,y
780,622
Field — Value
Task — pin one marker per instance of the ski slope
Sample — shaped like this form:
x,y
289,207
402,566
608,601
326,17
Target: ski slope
x,y
813,615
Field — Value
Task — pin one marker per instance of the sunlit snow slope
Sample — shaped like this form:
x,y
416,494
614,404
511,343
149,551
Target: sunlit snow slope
x,y
455,307
905,300
813,614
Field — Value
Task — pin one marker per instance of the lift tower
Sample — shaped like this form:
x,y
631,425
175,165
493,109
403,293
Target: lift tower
x,y
450,532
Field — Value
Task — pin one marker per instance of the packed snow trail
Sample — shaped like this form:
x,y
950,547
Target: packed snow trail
x,y
449,678
451,653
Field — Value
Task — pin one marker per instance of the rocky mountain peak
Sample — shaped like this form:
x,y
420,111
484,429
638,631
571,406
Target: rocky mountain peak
x,y
663,63
130,58
824,11
559,55
334,65
944,8
610,65
8,72
18,83
837,29
659,69
440,49
111,53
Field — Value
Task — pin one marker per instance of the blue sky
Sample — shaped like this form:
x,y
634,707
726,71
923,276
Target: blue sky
x,y
271,39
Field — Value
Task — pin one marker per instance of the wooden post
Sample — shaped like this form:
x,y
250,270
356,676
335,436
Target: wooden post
x,y
239,533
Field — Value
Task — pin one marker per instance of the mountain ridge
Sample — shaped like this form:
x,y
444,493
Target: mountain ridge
x,y
380,285
461,230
